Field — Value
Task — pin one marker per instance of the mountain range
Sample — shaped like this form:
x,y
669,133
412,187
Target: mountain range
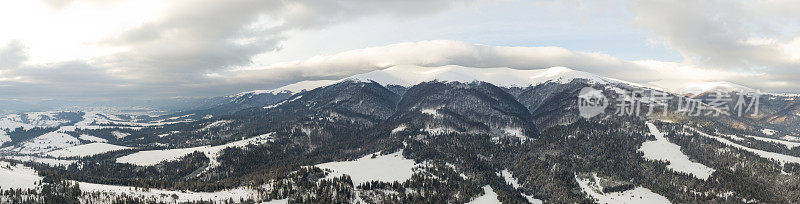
x,y
411,134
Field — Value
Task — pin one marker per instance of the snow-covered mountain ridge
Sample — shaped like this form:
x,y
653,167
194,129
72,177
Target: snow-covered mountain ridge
x,y
410,75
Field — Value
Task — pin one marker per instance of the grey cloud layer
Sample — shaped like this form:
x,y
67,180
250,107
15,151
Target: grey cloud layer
x,y
443,52
744,36
172,55
198,48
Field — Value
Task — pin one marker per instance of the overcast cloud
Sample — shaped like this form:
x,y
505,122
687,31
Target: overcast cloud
x,y
207,48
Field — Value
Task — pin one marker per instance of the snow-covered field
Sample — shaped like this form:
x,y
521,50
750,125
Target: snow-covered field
x,y
663,150
399,128
18,176
387,168
489,196
58,139
636,195
509,178
765,154
30,120
4,137
92,138
152,157
166,195
788,144
43,160
791,138
85,150
45,143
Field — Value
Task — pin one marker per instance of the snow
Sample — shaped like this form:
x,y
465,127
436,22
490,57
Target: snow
x,y
768,131
183,196
85,150
106,118
697,88
791,138
387,168
218,123
516,132
92,138
431,112
282,102
399,128
489,196
4,137
636,195
18,176
509,178
663,150
409,75
293,88
119,134
45,143
439,130
49,161
32,119
9,124
153,157
282,201
788,144
765,154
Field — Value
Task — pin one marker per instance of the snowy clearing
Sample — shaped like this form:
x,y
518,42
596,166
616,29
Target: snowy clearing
x,y
387,168
663,150
218,123
637,195
49,161
120,135
489,196
92,138
18,176
787,144
4,137
765,154
509,178
431,112
86,150
166,195
152,157
791,138
45,143
768,131
399,128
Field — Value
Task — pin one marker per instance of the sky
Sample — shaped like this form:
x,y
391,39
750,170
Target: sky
x,y
103,49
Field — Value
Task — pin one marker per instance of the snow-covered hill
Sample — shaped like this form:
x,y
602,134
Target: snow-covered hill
x,y
697,88
409,75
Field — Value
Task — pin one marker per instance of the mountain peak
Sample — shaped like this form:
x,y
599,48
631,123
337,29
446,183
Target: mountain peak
x,y
409,75
697,88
